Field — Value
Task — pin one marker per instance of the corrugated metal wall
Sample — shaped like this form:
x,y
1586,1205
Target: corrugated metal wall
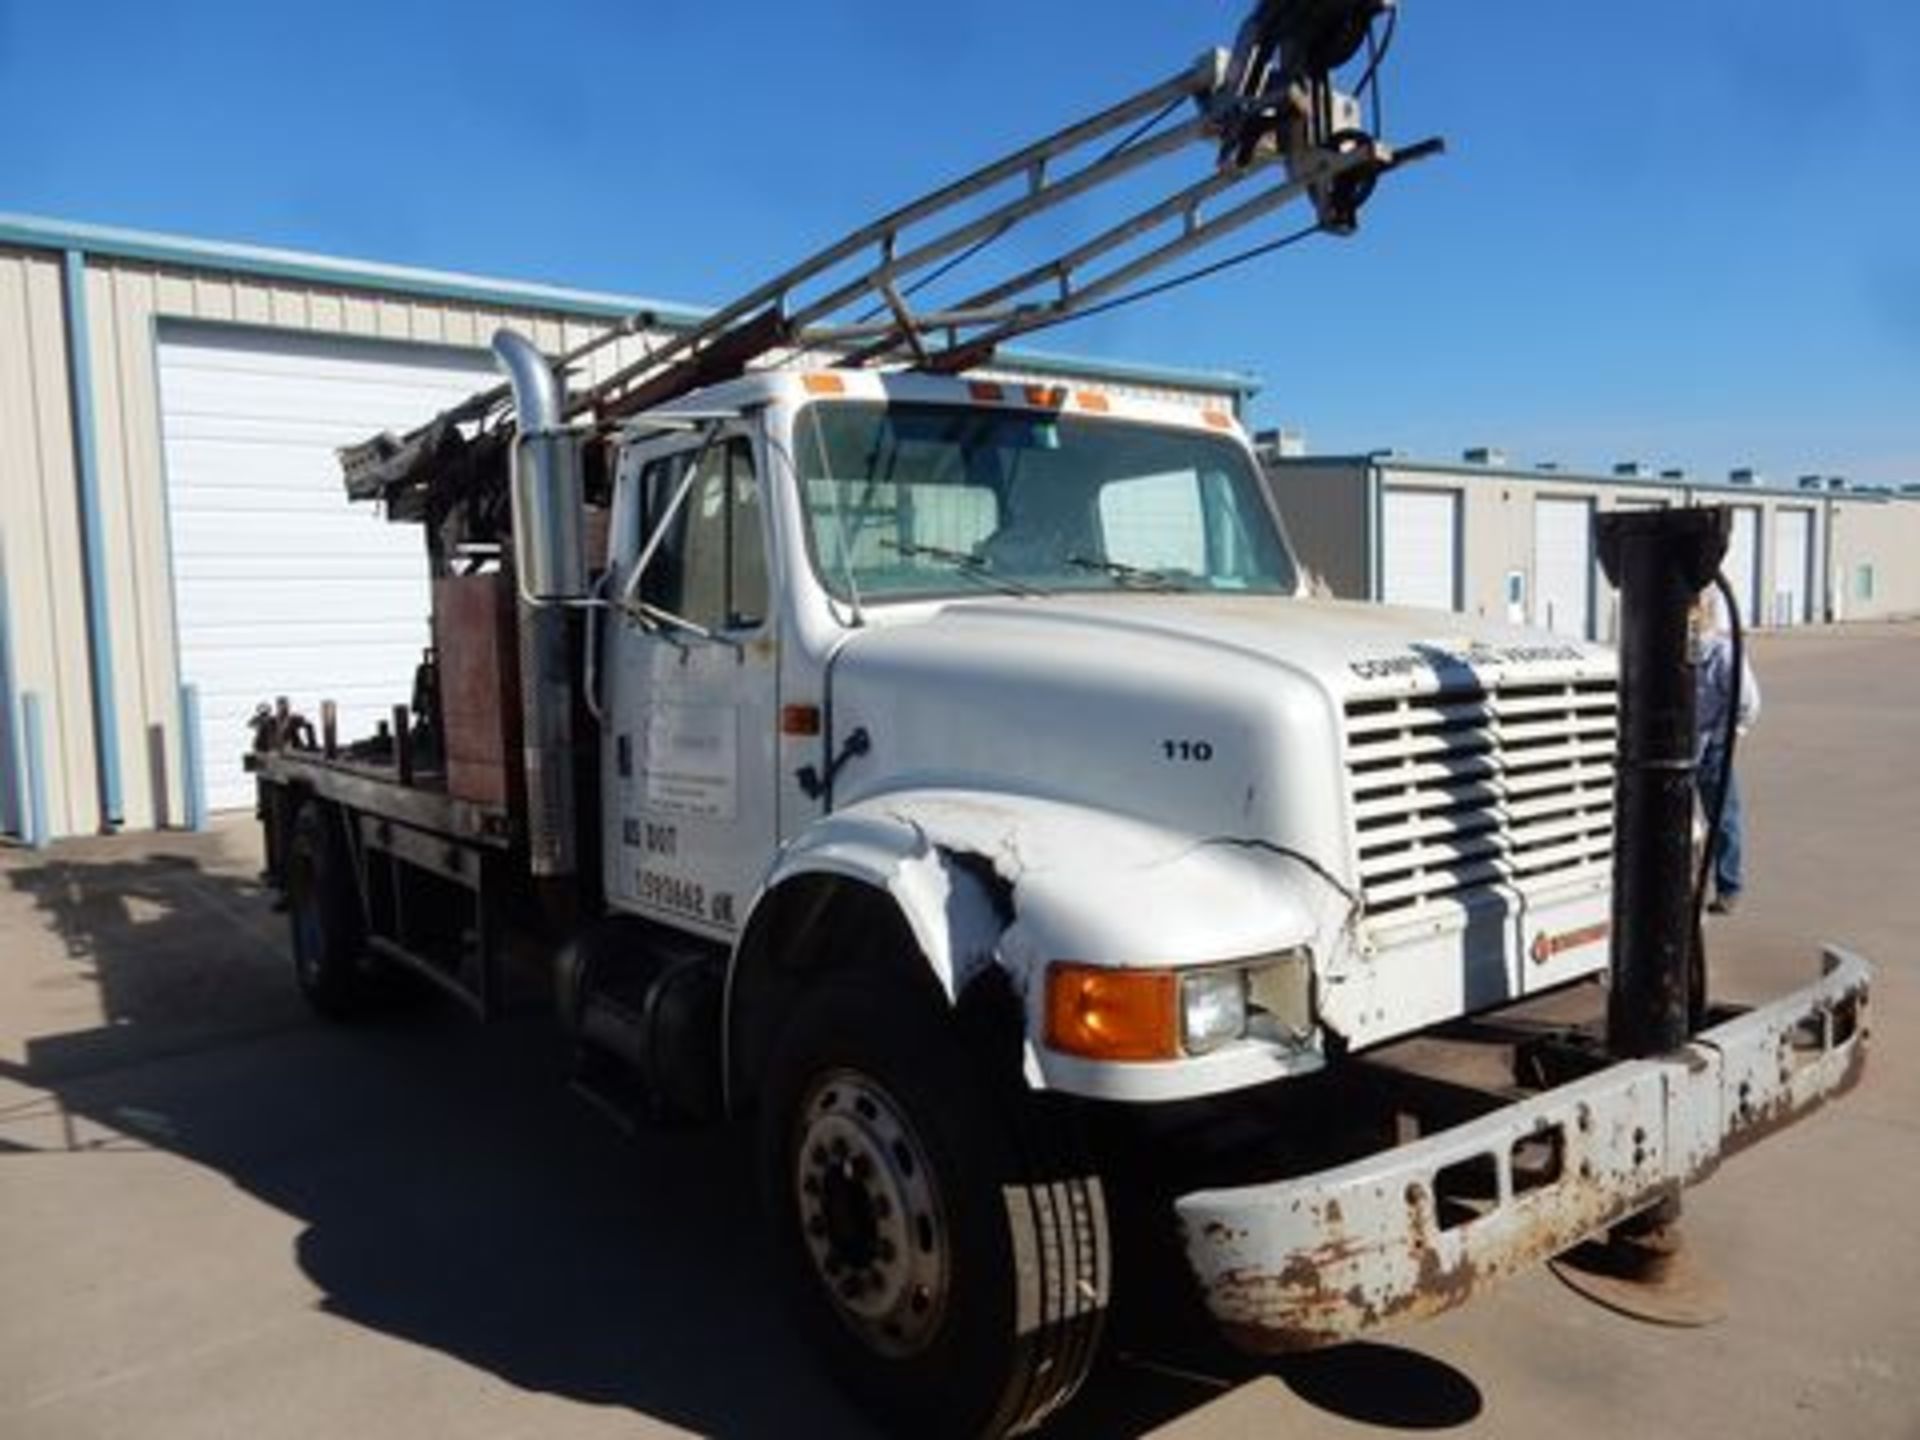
x,y
1324,505
1882,535
40,534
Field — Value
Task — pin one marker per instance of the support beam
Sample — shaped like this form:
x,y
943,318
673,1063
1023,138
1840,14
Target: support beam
x,y
13,794
93,540
34,829
193,775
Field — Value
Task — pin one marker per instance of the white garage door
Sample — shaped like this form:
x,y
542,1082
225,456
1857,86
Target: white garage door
x,y
1742,563
282,587
1420,548
1563,565
1792,565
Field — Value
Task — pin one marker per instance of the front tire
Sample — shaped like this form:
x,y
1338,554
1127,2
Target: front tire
x,y
939,1230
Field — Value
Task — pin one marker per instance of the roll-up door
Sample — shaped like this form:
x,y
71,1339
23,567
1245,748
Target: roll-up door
x,y
1563,565
1742,563
281,586
1792,565
1420,548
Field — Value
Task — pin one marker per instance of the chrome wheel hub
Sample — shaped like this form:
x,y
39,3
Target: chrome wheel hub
x,y
870,1213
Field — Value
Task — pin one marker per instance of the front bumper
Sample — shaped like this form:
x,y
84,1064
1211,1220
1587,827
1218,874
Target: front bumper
x,y
1327,1257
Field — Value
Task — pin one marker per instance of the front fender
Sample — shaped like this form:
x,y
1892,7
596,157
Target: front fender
x,y
1016,882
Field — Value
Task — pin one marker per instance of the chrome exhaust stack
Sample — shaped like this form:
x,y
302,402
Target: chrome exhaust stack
x,y
550,575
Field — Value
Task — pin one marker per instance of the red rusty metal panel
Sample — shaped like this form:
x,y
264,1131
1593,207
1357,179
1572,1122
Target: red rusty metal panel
x,y
474,636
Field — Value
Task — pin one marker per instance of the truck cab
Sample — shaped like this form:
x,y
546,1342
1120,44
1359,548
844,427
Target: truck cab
x,y
931,636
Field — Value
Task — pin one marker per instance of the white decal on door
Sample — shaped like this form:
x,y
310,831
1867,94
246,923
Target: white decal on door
x,y
689,761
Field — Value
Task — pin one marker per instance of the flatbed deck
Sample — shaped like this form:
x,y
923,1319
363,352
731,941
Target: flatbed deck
x,y
371,788
435,872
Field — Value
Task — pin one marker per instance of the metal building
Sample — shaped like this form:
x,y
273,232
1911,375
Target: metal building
x,y
1516,543
175,545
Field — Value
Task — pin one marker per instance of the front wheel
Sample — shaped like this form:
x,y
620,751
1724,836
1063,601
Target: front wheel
x,y
940,1233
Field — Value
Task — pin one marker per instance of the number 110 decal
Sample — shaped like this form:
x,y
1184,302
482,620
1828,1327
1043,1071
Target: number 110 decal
x,y
1198,752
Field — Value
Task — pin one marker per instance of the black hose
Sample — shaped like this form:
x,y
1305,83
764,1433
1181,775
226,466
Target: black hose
x,y
1717,799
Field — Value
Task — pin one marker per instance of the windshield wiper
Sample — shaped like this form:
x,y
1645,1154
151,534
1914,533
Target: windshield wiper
x,y
1137,576
969,565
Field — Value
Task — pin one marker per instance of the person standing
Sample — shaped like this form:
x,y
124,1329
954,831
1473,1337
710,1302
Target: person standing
x,y
1713,681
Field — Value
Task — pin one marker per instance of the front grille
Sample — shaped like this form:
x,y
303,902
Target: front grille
x,y
1456,792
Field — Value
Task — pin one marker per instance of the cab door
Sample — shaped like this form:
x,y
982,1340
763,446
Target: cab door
x,y
691,685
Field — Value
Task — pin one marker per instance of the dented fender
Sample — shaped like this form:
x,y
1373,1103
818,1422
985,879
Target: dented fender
x,y
1016,882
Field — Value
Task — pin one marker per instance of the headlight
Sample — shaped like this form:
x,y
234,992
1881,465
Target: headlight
x,y
1107,1013
1213,1009
1280,996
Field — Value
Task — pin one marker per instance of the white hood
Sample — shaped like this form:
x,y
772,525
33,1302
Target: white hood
x,y
1213,716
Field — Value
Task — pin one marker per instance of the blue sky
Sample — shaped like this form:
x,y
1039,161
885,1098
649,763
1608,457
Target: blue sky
x,y
1687,233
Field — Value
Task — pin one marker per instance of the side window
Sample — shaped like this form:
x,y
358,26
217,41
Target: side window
x,y
711,566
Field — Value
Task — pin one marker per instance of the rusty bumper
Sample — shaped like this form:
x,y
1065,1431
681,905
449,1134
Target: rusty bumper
x,y
1415,1230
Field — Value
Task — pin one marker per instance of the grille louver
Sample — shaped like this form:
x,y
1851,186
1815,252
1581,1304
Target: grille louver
x,y
1509,785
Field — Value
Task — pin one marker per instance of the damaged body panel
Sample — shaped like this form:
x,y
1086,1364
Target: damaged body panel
x,y
1016,882
1454,860
1420,1228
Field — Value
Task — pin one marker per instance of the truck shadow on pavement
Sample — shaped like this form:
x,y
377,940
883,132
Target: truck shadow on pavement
x,y
454,1193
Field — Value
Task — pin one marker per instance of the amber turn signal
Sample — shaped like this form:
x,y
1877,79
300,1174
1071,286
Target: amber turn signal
x,y
799,719
1108,1014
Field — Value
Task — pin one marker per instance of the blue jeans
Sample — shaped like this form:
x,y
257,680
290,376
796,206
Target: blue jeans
x,y
1727,874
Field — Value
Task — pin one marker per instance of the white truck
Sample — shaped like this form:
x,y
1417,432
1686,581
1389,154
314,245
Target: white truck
x,y
952,780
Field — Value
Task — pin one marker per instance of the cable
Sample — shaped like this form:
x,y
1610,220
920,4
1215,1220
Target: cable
x,y
1143,129
1373,99
1376,57
1717,808
1161,287
946,267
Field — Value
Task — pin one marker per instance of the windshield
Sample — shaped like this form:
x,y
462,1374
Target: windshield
x,y
920,500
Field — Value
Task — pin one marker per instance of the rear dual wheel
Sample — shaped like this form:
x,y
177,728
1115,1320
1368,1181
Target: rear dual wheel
x,y
335,971
940,1233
